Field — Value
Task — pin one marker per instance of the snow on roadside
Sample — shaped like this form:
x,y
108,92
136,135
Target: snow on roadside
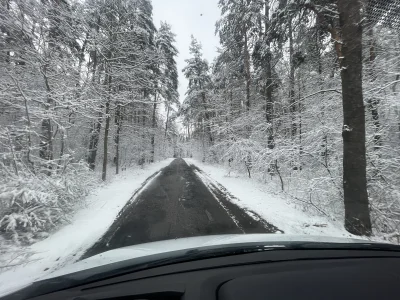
x,y
276,209
67,244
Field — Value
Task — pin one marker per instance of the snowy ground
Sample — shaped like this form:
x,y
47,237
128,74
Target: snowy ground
x,y
275,208
67,244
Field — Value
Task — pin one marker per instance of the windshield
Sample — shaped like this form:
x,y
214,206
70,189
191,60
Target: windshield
x,y
124,122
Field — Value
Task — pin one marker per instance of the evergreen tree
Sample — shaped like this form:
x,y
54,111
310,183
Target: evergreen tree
x,y
196,104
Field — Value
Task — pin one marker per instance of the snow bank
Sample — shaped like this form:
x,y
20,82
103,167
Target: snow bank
x,y
66,245
275,208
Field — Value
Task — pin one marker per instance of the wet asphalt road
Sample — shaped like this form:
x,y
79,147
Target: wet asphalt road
x,y
175,203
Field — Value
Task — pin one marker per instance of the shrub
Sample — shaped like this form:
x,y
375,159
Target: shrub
x,y
34,203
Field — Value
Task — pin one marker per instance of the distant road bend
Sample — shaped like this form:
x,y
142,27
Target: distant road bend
x,y
175,204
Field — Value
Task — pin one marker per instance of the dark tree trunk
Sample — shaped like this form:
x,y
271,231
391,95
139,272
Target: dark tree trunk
x,y
300,110
166,123
94,141
96,126
292,101
204,146
107,127
6,6
269,101
208,118
105,143
46,140
118,123
46,137
357,218
143,155
153,126
62,144
247,69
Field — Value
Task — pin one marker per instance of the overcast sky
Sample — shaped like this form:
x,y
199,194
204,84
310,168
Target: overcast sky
x,y
185,18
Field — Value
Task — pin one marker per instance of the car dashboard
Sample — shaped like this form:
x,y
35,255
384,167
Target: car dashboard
x,y
262,274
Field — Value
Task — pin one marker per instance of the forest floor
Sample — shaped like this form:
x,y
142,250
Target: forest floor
x,y
179,198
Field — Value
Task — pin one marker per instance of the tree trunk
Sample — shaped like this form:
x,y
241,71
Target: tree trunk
x,y
62,144
269,101
207,117
357,218
6,6
46,137
144,143
204,146
324,145
94,141
107,128
118,123
105,142
247,69
153,126
96,126
46,143
292,101
166,123
300,110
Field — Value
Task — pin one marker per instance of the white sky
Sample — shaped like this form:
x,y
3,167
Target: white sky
x,y
185,18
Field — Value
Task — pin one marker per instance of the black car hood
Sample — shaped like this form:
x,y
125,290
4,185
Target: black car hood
x,y
145,256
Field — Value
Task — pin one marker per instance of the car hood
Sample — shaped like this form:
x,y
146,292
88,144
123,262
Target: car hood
x,y
273,241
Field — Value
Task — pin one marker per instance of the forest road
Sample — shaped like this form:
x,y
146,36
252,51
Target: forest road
x,y
175,204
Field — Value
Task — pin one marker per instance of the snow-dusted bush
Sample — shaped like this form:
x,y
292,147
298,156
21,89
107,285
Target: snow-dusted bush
x,y
34,203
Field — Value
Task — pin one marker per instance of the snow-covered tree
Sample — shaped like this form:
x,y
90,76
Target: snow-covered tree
x,y
74,76
282,106
196,106
166,85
